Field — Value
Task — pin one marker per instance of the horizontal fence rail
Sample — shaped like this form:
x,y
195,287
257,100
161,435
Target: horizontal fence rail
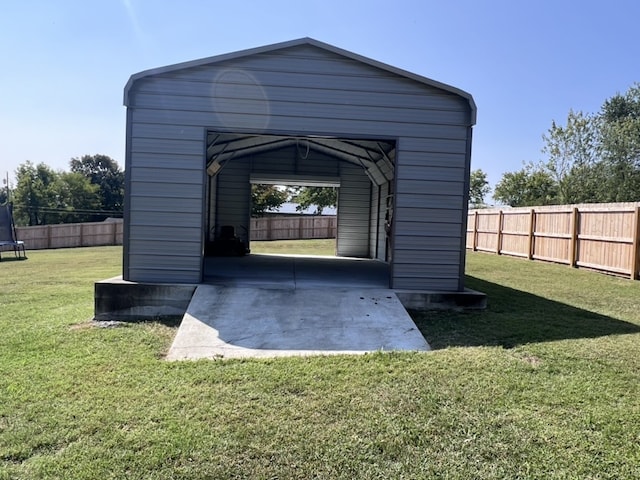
x,y
68,235
604,237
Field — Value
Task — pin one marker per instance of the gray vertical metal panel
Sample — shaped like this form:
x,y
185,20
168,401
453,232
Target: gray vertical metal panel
x,y
127,200
294,160
233,205
213,197
421,216
377,231
353,212
382,232
165,215
203,204
465,210
373,221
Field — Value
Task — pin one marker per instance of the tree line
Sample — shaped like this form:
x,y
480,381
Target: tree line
x,y
268,198
592,158
91,191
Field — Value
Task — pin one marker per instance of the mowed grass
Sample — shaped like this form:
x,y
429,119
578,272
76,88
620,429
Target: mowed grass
x,y
543,384
321,246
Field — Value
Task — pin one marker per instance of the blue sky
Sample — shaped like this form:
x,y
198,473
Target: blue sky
x,y
64,64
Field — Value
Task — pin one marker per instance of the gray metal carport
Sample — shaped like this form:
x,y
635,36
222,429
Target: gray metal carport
x,y
200,132
400,144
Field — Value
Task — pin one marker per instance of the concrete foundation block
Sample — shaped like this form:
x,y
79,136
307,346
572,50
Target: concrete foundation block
x,y
116,299
465,300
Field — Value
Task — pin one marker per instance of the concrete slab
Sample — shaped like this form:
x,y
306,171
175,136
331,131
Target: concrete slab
x,y
244,321
296,271
116,299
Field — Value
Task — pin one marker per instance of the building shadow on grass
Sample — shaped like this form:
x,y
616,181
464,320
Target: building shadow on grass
x,y
513,318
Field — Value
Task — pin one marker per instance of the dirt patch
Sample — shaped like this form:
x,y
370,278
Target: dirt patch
x,y
97,324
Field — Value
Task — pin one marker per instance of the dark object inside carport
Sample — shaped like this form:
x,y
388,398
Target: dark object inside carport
x,y
228,244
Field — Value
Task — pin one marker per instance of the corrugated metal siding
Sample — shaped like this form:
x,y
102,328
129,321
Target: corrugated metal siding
x,y
295,160
377,231
428,201
322,92
211,207
302,89
373,220
233,203
353,212
382,232
165,204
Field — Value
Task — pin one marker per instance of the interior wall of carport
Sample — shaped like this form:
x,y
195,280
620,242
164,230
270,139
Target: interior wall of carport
x,y
361,205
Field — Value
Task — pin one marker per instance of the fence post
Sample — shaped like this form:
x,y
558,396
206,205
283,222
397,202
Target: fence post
x,y
573,246
48,236
475,231
499,233
635,249
532,229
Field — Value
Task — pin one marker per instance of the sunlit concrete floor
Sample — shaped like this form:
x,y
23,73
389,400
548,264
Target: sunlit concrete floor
x,y
276,305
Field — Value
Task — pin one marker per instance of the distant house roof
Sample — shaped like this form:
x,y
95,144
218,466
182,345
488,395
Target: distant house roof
x,y
295,43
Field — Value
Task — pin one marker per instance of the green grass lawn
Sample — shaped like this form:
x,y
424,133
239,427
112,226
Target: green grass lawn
x,y
323,246
543,384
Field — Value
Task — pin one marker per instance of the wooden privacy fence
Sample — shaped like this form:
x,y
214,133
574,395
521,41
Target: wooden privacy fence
x,y
603,237
67,235
293,227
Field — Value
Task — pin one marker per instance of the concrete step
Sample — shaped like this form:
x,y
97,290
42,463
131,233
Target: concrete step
x,y
241,322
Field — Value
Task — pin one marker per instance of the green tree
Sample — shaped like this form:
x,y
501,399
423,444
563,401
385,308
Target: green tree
x,y
266,198
36,194
478,188
622,106
5,192
78,199
620,147
103,171
596,157
572,151
43,196
318,197
526,187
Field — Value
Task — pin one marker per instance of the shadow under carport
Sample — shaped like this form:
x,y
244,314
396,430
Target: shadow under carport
x,y
295,271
